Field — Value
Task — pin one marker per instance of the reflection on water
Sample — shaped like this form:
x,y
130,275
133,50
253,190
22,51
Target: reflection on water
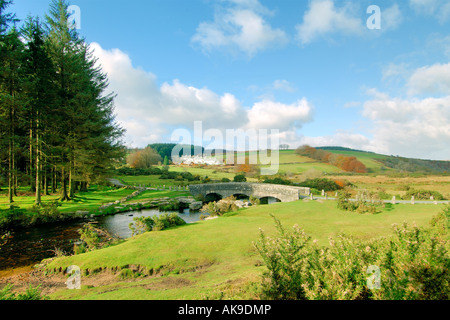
x,y
118,225
29,246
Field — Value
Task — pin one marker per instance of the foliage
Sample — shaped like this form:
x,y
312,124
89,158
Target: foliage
x,y
127,171
240,178
94,238
278,180
254,201
346,163
414,265
165,149
179,176
32,293
44,213
320,184
416,165
57,117
366,202
422,195
156,223
172,205
143,159
221,207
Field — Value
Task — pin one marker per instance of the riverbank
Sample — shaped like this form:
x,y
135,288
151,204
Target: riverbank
x,y
99,201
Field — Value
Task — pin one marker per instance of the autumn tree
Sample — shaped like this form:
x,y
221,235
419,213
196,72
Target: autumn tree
x,y
143,159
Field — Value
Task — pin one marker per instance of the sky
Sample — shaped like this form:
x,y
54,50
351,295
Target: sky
x,y
319,72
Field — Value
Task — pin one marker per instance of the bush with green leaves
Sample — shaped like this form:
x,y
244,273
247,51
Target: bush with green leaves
x,y
155,223
32,293
240,178
366,202
422,195
320,184
221,207
413,263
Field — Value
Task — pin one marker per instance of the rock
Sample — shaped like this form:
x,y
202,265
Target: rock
x,y
196,205
239,203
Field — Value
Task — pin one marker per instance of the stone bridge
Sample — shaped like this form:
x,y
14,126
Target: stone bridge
x,y
259,190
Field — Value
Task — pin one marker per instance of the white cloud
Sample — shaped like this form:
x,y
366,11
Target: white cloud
x,y
149,112
241,28
391,18
433,79
323,17
411,127
283,85
274,115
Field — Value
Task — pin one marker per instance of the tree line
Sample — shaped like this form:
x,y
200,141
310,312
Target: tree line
x,y
346,163
57,126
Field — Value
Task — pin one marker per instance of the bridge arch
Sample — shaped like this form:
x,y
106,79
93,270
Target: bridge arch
x,y
213,196
269,200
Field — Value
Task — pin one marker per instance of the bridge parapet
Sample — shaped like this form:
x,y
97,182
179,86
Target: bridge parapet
x,y
260,190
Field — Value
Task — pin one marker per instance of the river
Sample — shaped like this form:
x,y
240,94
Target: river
x,y
27,247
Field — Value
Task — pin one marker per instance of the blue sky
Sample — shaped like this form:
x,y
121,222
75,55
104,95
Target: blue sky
x,y
311,69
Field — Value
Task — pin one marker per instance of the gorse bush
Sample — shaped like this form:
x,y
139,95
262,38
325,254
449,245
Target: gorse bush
x,y
413,264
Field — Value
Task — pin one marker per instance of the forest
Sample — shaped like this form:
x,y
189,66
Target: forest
x,y
58,131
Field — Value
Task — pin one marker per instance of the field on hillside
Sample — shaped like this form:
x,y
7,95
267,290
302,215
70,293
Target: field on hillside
x,y
216,258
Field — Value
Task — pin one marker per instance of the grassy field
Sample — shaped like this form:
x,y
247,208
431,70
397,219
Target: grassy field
x,y
84,201
216,258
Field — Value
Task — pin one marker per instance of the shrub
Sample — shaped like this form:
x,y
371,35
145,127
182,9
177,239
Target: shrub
x,y
225,180
166,221
278,180
414,265
173,205
423,195
254,201
221,207
240,178
321,184
94,238
344,202
155,223
32,293
141,225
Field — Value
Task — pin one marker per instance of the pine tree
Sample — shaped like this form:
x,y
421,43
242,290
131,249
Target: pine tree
x,y
40,93
10,98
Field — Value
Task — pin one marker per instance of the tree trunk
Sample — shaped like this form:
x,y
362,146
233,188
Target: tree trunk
x,y
11,158
10,173
46,192
83,186
64,196
38,166
32,187
53,179
71,182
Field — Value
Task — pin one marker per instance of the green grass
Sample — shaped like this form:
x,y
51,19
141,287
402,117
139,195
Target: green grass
x,y
84,201
209,258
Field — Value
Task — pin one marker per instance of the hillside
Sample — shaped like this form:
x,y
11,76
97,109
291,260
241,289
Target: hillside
x,y
378,163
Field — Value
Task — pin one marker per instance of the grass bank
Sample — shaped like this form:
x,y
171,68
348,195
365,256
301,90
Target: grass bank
x,y
216,259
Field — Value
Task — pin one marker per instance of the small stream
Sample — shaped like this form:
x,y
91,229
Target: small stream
x,y
27,247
